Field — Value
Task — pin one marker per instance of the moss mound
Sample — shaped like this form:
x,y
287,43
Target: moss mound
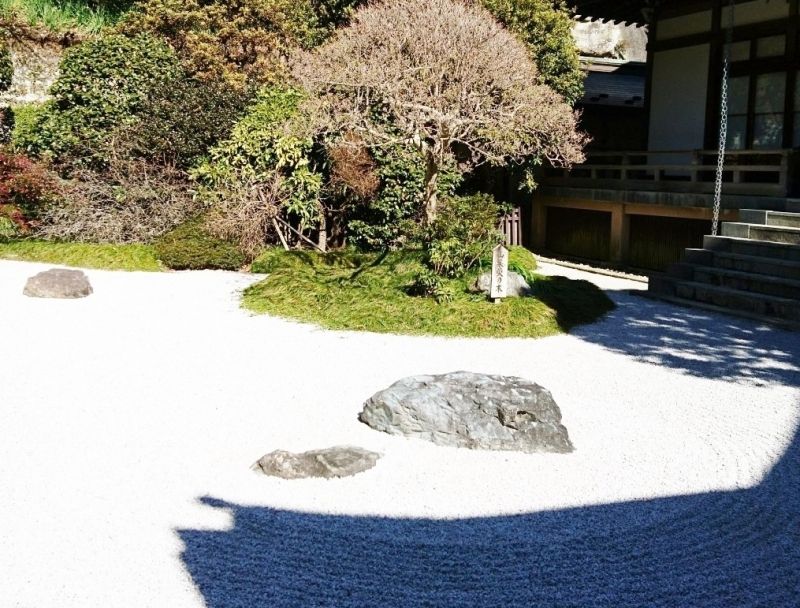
x,y
370,292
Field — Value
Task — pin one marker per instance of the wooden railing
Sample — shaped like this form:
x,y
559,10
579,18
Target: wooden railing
x,y
754,172
511,227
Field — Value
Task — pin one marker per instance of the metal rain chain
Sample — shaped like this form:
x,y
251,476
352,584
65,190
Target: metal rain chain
x,y
723,118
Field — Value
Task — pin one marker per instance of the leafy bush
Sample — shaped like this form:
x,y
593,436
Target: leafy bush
x,y
180,121
191,247
390,218
428,284
103,84
261,172
545,26
463,233
130,201
25,128
238,41
8,228
6,67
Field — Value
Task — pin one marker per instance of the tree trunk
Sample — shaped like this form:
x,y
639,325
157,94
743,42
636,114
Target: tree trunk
x,y
322,240
431,186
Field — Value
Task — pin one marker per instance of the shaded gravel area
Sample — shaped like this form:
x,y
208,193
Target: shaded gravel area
x,y
129,420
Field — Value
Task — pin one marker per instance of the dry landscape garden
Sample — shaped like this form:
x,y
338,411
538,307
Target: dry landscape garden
x,y
264,344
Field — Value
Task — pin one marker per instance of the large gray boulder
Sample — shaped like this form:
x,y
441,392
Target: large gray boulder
x,y
339,461
465,409
517,286
58,283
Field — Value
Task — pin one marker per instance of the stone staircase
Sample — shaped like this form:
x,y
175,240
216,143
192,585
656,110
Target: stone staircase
x,y
751,269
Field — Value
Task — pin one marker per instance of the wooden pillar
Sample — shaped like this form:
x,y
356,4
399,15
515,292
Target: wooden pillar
x,y
620,234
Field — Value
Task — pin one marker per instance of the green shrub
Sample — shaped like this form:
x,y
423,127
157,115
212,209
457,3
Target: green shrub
x,y
6,67
191,247
262,171
180,121
25,132
428,284
545,26
103,84
390,219
238,41
464,232
8,228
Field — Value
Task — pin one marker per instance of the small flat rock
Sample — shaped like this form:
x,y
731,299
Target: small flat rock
x,y
470,410
339,461
58,283
517,285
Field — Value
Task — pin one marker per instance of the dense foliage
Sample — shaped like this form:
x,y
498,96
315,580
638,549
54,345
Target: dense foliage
x,y
413,61
545,26
180,121
238,41
463,233
262,172
25,125
103,84
215,128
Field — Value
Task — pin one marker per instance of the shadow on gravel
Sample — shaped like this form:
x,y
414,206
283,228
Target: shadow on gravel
x,y
715,550
697,342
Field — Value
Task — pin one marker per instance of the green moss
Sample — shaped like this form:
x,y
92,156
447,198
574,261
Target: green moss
x,y
83,255
190,247
369,292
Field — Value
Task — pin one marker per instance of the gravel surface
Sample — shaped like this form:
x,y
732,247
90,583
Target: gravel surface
x,y
129,421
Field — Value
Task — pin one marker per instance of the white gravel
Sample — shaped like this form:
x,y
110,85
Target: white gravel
x,y
129,420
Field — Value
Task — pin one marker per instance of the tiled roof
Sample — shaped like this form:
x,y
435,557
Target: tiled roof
x,y
618,11
623,88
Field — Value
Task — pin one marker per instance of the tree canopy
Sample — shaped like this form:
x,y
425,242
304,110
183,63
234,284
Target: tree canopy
x,y
445,76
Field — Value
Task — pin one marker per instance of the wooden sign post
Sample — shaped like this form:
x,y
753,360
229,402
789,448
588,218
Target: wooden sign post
x,y
499,284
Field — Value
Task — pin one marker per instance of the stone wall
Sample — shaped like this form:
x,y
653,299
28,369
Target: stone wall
x,y
35,69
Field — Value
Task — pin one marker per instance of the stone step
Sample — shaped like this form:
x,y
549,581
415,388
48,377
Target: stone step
x,y
761,249
769,218
741,281
787,324
767,306
760,232
752,264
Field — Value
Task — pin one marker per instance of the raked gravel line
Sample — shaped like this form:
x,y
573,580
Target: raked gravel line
x,y
129,420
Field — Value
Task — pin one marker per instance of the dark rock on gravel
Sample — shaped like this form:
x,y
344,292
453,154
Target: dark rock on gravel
x,y
470,410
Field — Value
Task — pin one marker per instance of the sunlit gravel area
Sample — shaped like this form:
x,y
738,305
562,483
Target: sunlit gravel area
x,y
129,421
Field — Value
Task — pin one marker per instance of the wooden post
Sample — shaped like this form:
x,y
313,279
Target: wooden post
x,y
499,285
620,234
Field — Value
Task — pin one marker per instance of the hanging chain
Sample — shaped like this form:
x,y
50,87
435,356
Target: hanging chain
x,y
723,119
